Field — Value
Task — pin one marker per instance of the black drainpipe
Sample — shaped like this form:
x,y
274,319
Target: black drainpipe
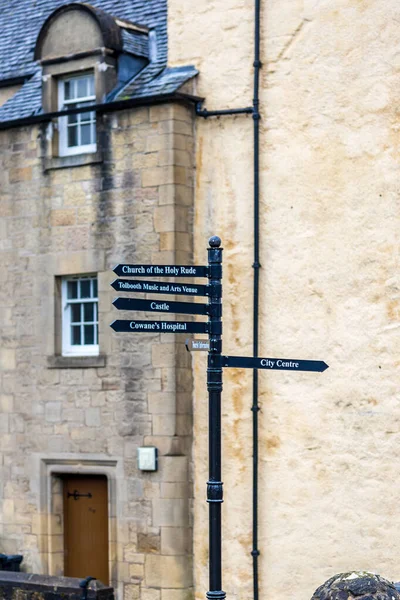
x,y
256,289
254,110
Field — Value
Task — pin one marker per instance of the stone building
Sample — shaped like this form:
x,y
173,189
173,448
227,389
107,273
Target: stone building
x,y
80,193
141,178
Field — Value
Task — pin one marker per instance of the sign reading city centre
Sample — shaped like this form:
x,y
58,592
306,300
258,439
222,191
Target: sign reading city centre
x,y
278,364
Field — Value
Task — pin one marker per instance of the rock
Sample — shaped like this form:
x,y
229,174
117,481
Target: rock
x,y
356,584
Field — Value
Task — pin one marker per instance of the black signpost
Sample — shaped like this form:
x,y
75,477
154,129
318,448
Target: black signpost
x,y
214,386
216,361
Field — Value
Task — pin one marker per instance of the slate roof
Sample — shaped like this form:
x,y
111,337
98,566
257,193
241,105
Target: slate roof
x,y
21,21
135,44
26,102
166,82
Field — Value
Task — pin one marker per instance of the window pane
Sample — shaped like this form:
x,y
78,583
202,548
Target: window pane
x,y
76,313
67,90
82,87
72,118
87,117
89,334
76,335
94,288
72,136
85,288
91,86
72,289
85,134
84,118
88,311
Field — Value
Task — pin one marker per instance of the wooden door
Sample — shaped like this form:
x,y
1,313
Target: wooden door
x,y
86,527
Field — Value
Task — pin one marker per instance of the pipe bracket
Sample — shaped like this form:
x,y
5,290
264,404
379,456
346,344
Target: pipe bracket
x,y
215,491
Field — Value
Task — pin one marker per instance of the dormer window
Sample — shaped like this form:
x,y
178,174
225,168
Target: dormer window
x,y
77,132
87,57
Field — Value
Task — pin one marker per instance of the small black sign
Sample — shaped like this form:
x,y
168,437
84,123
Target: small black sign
x,y
192,345
161,271
163,327
159,287
278,364
187,308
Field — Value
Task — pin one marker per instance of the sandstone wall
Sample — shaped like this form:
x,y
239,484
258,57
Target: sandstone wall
x,y
135,206
329,447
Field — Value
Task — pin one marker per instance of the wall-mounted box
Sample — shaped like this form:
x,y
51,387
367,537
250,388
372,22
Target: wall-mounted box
x,y
147,458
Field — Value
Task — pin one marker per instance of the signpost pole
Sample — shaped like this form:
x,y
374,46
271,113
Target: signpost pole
x,y
214,387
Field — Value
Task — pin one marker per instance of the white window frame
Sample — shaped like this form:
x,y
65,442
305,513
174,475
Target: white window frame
x,y
69,349
64,149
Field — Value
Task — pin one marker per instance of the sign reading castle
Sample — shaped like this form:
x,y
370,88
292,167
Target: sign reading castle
x,y
189,308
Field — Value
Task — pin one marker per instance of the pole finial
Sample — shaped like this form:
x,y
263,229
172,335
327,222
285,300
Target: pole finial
x,y
214,241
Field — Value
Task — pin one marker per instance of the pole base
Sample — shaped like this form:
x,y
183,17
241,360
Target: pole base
x,y
219,595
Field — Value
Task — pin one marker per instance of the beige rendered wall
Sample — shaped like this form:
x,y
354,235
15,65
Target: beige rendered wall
x,y
330,287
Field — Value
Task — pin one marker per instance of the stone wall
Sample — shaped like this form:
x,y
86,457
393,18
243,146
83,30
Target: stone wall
x,y
60,416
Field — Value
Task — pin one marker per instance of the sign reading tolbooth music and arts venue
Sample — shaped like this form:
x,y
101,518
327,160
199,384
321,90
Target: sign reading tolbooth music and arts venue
x,y
216,360
157,287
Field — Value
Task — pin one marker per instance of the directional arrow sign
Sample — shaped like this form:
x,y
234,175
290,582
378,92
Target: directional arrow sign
x,y
278,364
161,271
159,287
166,327
187,308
